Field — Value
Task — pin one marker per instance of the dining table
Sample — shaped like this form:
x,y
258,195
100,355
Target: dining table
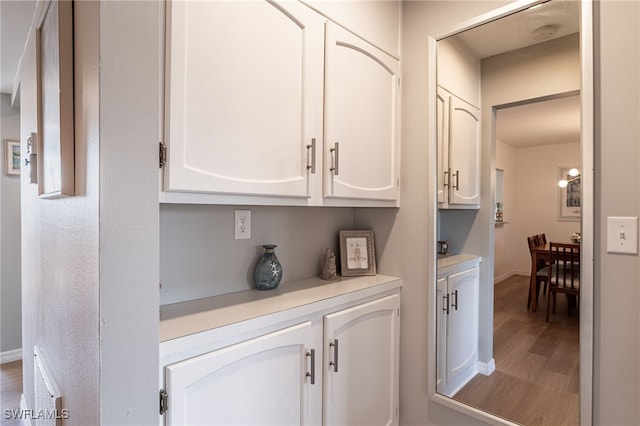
x,y
539,252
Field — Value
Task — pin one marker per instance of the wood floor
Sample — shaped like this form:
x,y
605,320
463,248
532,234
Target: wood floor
x,y
536,377
10,391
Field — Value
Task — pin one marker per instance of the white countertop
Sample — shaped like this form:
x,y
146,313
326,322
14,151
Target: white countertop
x,y
181,319
454,259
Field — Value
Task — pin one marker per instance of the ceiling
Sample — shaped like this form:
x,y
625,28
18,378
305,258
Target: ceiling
x,y
15,21
540,123
518,30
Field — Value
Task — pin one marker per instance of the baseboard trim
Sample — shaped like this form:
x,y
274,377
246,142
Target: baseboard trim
x,y
508,275
486,368
10,356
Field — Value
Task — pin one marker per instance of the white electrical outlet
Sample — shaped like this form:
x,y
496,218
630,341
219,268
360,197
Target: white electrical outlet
x,y
243,225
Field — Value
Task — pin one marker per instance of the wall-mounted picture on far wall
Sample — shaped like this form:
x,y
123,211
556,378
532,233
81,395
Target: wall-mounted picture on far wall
x,y
569,197
12,157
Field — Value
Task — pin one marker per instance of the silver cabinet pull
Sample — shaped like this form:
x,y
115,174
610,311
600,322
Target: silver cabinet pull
x,y
334,344
312,374
454,304
445,302
312,147
446,178
335,151
457,185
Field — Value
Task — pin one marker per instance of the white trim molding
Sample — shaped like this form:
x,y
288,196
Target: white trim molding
x,y
9,356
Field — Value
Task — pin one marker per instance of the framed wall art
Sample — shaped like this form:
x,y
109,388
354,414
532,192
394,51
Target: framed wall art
x,y
569,196
12,157
54,64
357,253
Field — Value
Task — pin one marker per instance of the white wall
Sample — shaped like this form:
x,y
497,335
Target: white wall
x,y
533,207
60,255
90,262
505,244
537,197
10,289
617,174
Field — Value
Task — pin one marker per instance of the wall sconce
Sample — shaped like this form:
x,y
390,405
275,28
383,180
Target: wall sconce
x,y
575,175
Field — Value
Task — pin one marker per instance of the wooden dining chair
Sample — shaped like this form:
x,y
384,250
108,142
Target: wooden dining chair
x,y
542,272
563,273
541,239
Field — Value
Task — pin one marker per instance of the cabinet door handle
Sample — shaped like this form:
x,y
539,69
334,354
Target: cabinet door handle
x,y
335,151
312,373
334,363
312,147
454,304
457,185
446,178
445,301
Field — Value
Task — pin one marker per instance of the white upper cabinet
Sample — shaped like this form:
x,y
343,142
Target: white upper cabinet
x,y
253,89
243,97
458,116
362,126
376,21
458,152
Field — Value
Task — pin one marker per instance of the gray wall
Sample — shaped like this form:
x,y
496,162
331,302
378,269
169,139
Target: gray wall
x,y
199,256
90,262
10,289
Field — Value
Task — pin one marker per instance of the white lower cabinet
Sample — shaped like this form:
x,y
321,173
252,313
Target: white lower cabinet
x,y
333,367
260,381
361,366
457,325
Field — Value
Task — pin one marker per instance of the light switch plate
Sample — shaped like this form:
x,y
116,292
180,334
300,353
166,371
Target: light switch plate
x,y
622,235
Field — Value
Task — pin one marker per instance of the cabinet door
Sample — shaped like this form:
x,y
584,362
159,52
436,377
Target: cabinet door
x,y
442,116
442,306
462,326
362,154
243,96
464,153
361,364
258,382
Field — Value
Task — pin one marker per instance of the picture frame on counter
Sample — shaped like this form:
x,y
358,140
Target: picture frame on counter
x,y
357,253
12,158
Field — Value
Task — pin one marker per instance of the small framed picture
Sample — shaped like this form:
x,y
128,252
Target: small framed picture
x,y
357,253
569,197
12,157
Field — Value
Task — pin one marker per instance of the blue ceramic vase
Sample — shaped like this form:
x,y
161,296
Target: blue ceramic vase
x,y
269,270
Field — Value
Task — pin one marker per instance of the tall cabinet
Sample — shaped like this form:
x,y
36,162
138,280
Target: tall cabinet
x,y
271,102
